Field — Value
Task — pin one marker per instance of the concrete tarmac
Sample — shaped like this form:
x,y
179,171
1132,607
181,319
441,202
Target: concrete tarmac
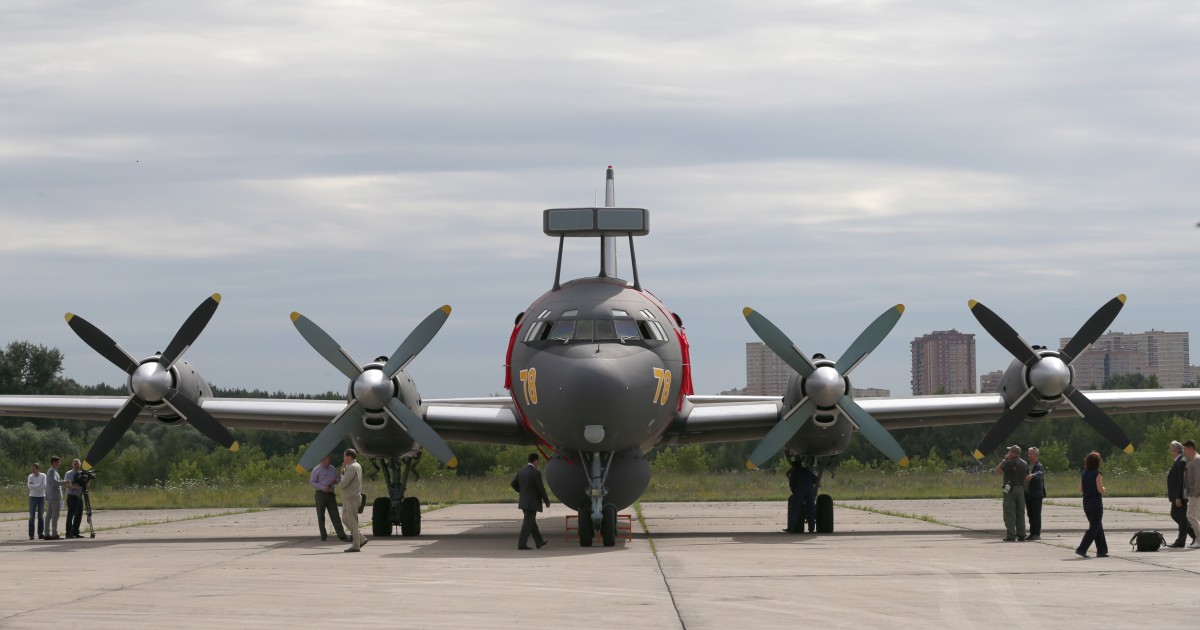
x,y
693,565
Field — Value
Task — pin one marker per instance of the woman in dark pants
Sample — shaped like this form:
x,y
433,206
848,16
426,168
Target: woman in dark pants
x,y
1091,484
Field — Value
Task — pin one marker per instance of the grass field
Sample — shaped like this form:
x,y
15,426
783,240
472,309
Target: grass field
x,y
732,486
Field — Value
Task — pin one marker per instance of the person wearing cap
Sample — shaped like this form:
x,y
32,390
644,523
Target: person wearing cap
x,y
1014,470
1177,496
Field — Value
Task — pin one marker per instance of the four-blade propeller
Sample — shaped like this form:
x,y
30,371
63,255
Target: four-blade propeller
x,y
824,386
151,382
1048,375
372,389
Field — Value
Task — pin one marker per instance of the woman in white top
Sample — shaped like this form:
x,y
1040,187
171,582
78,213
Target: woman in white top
x,y
37,501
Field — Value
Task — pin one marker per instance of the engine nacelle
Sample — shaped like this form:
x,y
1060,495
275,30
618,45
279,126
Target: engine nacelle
x,y
828,432
150,381
379,435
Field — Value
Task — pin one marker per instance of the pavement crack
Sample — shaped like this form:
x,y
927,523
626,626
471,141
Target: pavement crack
x,y
637,507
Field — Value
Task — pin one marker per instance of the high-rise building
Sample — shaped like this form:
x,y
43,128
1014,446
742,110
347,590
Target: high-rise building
x,y
990,383
766,373
1165,354
943,362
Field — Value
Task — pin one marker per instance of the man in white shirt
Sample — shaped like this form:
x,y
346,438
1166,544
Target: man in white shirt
x,y
351,487
37,501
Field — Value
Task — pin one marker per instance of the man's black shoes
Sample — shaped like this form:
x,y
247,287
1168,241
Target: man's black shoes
x,y
323,537
541,544
525,548
1177,545
1010,539
343,538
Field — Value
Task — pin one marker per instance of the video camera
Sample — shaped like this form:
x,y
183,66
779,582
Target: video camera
x,y
84,477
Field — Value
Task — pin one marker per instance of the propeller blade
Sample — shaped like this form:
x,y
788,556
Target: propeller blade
x,y
422,432
1003,333
1099,420
191,328
781,433
416,341
326,347
869,339
201,419
1093,328
120,423
1008,422
329,437
101,343
779,344
873,431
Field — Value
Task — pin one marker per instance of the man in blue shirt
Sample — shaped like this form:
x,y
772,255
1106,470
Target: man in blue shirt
x,y
802,505
1035,491
324,479
74,500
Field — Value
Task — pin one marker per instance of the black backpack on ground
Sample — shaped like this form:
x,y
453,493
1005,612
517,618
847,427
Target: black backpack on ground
x,y
1147,541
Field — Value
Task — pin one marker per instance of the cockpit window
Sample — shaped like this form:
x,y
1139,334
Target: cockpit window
x,y
617,312
605,330
571,313
627,329
543,314
562,330
583,330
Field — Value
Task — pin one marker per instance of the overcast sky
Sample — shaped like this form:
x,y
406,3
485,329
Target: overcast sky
x,y
366,162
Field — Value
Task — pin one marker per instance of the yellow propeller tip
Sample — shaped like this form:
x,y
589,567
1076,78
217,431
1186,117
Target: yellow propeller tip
x,y
978,455
1122,298
971,303
69,316
453,463
900,308
446,309
234,448
86,466
746,311
295,316
216,298
300,469
1129,449
749,464
903,463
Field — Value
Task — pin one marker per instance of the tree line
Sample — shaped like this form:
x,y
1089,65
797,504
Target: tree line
x,y
153,454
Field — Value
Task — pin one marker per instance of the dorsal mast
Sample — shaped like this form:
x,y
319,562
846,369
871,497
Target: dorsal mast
x,y
608,244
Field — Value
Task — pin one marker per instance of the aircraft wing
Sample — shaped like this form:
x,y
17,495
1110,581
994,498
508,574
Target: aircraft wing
x,y
488,420
733,418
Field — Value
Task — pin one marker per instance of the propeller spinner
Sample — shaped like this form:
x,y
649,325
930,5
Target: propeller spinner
x,y
824,385
371,389
1049,376
151,382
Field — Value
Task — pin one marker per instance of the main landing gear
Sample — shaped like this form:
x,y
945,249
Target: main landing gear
x,y
595,513
396,509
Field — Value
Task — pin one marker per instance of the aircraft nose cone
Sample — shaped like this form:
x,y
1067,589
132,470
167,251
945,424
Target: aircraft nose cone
x,y
825,386
1051,376
373,389
150,381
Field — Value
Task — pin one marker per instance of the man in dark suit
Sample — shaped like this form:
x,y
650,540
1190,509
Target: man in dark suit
x,y
528,482
1035,491
1177,497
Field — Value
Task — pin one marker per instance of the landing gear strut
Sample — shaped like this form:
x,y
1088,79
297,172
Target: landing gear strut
x,y
396,509
596,514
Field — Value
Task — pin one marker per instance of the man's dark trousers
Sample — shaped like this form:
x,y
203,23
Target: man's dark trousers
x,y
529,526
74,514
327,502
1179,515
1033,506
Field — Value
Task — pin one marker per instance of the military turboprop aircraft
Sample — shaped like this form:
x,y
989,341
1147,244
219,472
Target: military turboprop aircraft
x,y
598,371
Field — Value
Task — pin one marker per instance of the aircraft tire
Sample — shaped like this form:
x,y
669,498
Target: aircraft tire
x,y
410,517
608,525
381,517
586,530
824,514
